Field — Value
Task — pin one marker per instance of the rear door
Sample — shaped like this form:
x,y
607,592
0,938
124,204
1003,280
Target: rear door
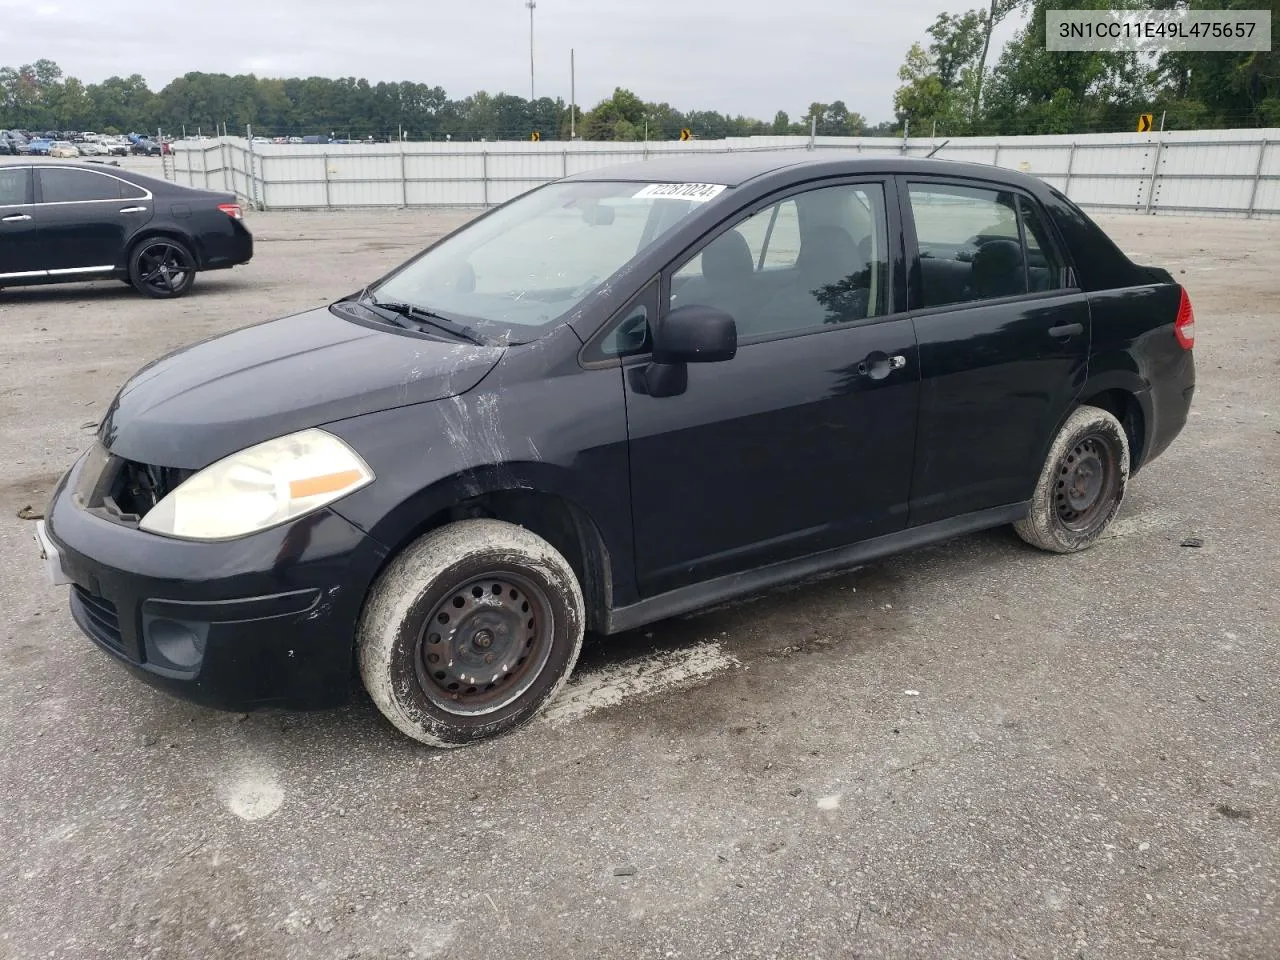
x,y
804,440
85,218
19,256
1004,343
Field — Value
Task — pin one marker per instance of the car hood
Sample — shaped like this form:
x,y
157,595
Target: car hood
x,y
211,399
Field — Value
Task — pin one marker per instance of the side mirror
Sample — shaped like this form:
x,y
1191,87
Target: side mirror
x,y
695,334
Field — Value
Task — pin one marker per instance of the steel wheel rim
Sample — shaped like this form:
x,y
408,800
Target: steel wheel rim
x,y
484,644
163,266
1086,483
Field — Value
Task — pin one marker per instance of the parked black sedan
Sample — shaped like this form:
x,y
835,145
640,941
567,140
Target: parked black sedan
x,y
617,398
77,221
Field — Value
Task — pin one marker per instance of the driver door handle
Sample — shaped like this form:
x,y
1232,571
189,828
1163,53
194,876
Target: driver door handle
x,y
16,217
877,366
1066,330
134,210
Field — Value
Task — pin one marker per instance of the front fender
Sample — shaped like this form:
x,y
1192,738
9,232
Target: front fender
x,y
561,435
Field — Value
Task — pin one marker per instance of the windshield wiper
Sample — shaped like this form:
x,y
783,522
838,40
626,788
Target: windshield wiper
x,y
407,315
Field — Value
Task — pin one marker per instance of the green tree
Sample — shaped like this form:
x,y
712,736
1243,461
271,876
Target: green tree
x,y
68,102
922,99
620,117
1036,90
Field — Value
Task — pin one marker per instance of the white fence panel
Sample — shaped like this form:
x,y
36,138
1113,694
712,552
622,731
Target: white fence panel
x,y
1210,172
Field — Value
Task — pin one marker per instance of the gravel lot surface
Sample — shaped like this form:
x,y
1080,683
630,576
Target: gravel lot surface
x,y
974,750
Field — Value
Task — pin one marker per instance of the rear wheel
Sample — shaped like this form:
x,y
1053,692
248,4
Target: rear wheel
x,y
162,267
1081,485
470,632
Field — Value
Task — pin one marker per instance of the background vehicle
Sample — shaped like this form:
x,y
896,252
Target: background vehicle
x,y
39,146
63,150
616,399
118,148
13,143
146,148
64,222
92,148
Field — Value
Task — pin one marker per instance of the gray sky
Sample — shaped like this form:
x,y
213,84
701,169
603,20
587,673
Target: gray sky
x,y
736,56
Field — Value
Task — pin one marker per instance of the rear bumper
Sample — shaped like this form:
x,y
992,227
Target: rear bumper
x,y
223,250
265,620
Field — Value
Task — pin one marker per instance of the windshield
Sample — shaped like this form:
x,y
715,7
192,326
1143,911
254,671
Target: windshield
x,y
514,273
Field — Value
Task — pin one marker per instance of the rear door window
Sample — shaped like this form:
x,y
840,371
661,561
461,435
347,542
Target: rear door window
x,y
1044,264
969,244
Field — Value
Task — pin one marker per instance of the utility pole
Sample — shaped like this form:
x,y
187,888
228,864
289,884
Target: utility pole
x,y
573,98
532,5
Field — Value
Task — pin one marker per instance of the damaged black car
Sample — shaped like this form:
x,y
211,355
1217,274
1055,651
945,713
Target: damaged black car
x,y
618,398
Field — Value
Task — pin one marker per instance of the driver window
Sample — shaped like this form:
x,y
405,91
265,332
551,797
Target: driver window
x,y
816,258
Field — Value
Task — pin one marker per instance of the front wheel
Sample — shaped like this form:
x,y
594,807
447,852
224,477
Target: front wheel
x,y
162,267
470,632
1081,484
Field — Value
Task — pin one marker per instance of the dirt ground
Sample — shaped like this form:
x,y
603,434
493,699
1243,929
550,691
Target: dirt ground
x,y
974,750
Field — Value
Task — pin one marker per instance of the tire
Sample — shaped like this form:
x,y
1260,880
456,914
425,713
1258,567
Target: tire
x,y
484,577
1081,484
162,267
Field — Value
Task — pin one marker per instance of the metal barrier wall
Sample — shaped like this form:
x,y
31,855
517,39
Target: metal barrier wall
x,y
1207,172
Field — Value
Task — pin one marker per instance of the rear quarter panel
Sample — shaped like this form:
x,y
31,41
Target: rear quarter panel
x,y
1135,349
1132,313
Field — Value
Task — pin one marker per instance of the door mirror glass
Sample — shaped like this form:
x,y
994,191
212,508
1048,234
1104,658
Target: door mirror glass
x,y
696,334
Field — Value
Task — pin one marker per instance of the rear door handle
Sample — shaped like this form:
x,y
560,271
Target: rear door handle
x,y
16,217
134,210
1066,330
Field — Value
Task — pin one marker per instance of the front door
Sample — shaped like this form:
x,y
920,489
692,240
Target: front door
x,y
804,440
1004,345
85,217
19,255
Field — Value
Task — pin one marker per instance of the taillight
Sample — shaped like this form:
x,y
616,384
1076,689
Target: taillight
x,y
1184,328
233,211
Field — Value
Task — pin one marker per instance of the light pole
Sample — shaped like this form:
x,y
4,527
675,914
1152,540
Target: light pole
x,y
532,5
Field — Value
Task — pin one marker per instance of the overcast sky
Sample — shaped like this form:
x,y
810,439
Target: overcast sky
x,y
736,56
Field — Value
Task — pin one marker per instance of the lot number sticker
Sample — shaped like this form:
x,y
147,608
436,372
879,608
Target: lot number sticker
x,y
696,192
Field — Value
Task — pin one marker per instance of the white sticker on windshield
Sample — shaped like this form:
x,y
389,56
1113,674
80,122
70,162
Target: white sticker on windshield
x,y
695,192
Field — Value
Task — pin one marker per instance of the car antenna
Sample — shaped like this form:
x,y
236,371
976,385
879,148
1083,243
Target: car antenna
x,y
936,149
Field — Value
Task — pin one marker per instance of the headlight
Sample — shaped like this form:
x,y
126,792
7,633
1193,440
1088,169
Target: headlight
x,y
260,487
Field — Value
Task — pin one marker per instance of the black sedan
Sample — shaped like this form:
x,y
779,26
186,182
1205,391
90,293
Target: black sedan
x,y
69,221
618,398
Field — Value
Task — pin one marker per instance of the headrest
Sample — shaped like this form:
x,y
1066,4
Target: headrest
x,y
997,268
727,259
827,255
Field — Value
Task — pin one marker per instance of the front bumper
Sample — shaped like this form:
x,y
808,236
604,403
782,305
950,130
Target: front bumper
x,y
264,620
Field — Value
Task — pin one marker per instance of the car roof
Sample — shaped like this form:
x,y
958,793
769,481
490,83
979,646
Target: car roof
x,y
739,167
